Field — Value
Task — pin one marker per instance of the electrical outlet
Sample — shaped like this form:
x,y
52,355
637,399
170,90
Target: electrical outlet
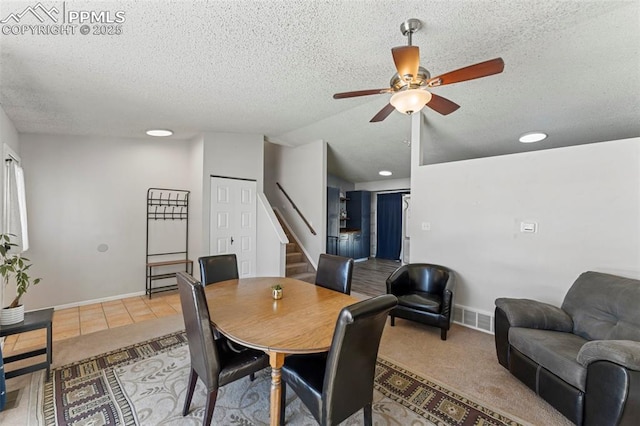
x,y
426,226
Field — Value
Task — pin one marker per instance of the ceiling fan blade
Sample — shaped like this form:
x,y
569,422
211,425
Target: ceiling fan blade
x,y
442,105
382,114
483,69
360,93
407,60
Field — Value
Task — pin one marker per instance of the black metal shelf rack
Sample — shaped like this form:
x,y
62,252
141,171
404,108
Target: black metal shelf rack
x,y
167,205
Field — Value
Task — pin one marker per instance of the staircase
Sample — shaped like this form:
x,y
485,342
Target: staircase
x,y
297,264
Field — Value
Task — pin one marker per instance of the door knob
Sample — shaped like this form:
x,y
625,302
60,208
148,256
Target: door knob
x,y
231,240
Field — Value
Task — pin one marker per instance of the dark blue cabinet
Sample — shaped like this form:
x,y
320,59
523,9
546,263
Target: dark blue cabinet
x,y
345,247
359,214
353,239
333,219
332,245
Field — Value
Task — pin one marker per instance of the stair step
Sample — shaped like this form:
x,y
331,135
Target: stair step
x,y
309,277
292,248
296,268
295,258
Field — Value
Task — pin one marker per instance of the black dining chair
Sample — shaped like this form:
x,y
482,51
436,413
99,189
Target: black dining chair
x,y
221,267
211,360
335,272
214,269
336,384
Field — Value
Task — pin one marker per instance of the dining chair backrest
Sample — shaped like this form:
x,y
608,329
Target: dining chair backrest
x,y
203,351
351,362
335,272
218,268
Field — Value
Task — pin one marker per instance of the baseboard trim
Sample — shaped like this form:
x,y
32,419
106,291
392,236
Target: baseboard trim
x,y
92,301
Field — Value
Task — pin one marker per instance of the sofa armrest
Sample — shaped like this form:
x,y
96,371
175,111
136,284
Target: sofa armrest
x,y
622,352
529,313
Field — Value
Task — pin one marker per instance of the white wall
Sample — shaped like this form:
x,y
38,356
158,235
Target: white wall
x,y
229,155
8,136
302,172
271,253
384,185
196,208
87,191
584,199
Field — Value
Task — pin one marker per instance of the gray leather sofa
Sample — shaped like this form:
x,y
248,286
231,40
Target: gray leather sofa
x,y
582,358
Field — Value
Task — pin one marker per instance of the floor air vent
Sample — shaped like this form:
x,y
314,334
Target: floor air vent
x,y
473,318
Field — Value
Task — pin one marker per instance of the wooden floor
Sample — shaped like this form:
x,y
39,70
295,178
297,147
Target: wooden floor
x,y
369,278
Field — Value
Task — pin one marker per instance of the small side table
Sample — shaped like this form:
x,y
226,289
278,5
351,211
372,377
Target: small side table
x,y
33,320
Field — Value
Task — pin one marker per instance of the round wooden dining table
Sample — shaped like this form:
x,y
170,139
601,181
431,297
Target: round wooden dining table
x,y
301,322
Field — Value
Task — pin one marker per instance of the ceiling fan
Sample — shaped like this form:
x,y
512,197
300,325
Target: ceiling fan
x,y
409,85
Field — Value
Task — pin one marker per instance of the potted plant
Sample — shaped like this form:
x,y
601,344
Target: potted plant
x,y
276,291
16,266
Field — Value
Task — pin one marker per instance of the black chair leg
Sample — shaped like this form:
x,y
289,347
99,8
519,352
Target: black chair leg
x,y
393,320
443,334
283,400
193,378
211,404
252,376
368,415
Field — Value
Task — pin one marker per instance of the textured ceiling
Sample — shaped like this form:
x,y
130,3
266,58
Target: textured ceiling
x,y
270,67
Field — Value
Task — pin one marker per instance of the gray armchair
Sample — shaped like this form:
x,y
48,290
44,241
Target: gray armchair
x,y
582,358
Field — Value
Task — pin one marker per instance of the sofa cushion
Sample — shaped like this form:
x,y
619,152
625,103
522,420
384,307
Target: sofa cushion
x,y
554,350
421,301
604,307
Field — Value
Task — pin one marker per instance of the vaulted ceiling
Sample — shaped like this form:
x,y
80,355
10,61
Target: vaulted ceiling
x,y
572,70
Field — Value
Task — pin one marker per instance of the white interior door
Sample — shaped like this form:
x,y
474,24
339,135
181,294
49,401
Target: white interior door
x,y
232,221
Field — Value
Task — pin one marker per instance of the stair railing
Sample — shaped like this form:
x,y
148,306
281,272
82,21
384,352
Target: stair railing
x,y
304,219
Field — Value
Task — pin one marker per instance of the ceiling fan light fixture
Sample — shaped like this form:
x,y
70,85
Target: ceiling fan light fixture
x,y
410,101
532,137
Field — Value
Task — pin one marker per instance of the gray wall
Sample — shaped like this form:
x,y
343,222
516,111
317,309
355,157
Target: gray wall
x,y
302,172
584,199
87,191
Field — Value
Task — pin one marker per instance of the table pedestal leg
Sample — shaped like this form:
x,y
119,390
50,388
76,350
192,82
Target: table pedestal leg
x,y
276,360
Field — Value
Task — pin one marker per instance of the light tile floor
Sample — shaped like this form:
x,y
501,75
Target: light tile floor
x,y
87,319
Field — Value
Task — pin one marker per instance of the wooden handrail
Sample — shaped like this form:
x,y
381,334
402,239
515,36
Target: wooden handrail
x,y
304,219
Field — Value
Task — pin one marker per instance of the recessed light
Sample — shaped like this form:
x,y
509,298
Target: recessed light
x,y
532,137
385,173
160,132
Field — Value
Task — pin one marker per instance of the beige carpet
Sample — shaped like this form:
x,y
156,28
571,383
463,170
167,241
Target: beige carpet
x,y
466,362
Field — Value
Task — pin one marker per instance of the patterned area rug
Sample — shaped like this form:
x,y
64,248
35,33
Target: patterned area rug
x,y
145,384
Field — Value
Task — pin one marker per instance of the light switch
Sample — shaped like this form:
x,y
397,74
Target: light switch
x,y
426,226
